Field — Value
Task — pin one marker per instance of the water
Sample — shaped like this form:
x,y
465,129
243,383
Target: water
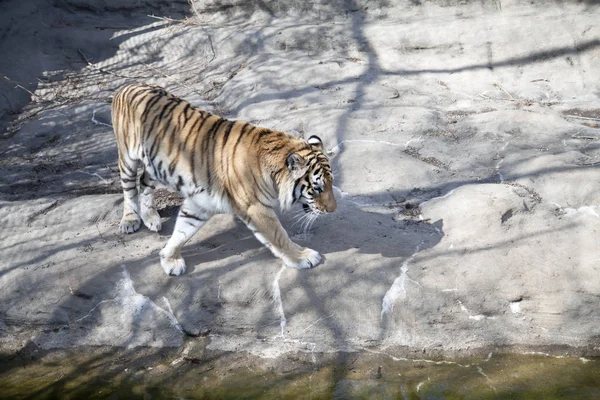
x,y
166,374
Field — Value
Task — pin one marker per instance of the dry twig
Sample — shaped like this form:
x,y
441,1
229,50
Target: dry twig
x,y
21,87
103,71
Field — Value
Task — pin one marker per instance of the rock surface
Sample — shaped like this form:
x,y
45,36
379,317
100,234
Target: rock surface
x,y
464,139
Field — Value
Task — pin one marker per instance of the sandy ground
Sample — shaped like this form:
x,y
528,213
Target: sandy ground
x,y
464,140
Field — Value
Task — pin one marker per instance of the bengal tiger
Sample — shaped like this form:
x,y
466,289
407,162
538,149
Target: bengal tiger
x,y
218,166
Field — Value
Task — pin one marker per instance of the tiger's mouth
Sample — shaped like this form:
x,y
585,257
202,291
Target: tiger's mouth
x,y
306,208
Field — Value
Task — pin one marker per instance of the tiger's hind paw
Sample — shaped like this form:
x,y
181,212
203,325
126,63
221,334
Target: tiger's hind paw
x,y
130,224
308,259
152,220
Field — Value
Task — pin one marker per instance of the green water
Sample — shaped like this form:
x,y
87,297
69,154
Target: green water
x,y
148,374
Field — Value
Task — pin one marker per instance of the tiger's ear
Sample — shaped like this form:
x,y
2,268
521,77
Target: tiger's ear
x,y
296,164
315,142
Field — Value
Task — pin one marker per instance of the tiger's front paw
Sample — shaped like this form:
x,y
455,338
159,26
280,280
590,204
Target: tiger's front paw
x,y
308,259
152,220
171,265
130,223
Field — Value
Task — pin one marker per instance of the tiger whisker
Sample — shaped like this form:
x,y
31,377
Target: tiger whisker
x,y
300,219
310,220
298,213
303,222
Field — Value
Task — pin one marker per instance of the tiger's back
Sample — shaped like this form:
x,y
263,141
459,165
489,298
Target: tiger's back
x,y
167,135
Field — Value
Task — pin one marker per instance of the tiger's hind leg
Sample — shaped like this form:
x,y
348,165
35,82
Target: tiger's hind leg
x,y
148,210
131,220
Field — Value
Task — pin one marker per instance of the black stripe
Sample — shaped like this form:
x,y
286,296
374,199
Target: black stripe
x,y
171,134
194,115
242,133
126,89
135,91
193,130
193,151
162,174
277,148
185,214
132,101
209,140
278,172
127,169
211,151
208,178
155,119
185,116
168,104
225,161
210,135
260,189
227,132
145,185
243,128
261,135
237,142
172,165
148,109
294,192
145,177
153,147
263,204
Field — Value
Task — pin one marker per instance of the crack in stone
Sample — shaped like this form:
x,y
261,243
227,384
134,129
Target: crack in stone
x,y
477,317
278,301
314,323
333,150
96,122
133,302
398,288
497,168
438,197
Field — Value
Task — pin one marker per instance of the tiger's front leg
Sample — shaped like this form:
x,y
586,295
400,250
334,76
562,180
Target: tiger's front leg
x,y
190,219
265,225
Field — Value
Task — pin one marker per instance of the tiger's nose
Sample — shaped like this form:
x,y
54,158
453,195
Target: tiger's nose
x,y
328,202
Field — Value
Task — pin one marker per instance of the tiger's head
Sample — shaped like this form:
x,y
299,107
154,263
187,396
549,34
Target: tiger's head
x,y
313,187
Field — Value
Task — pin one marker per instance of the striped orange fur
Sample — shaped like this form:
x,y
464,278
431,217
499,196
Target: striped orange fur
x,y
218,166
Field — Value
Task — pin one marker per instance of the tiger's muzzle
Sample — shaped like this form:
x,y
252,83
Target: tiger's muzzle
x,y
326,202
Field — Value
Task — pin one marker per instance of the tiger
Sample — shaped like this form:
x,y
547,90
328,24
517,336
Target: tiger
x,y
218,166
